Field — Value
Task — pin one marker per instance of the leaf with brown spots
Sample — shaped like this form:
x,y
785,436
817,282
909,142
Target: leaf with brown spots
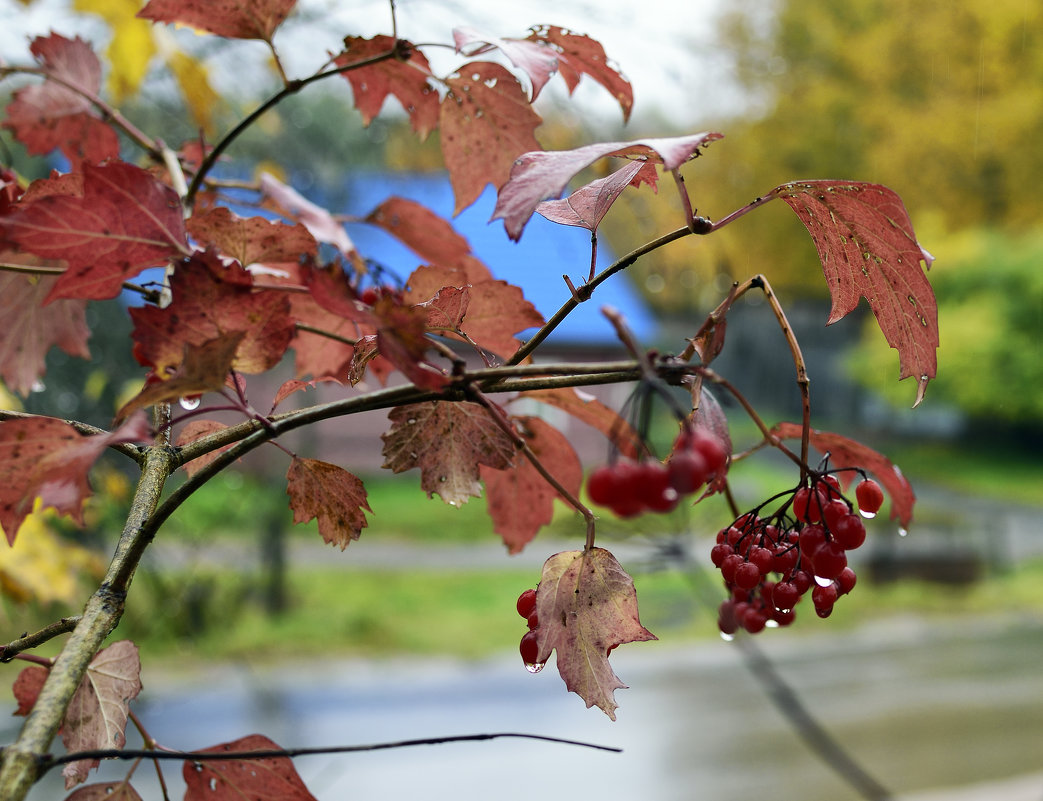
x,y
449,442
331,494
264,779
251,240
586,605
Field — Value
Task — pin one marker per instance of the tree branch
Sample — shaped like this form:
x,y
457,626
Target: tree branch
x,y
27,641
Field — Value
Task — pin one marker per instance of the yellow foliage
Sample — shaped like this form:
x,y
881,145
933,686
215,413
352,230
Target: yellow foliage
x,y
194,79
43,567
131,48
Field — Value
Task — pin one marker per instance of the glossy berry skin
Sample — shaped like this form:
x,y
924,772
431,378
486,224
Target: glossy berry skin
x,y
529,648
849,532
869,497
527,603
828,560
601,486
687,471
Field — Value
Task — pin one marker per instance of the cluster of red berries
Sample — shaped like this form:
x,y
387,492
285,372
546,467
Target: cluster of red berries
x,y
630,488
530,649
769,564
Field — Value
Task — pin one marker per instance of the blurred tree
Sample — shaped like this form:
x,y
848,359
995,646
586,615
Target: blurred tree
x,y
942,100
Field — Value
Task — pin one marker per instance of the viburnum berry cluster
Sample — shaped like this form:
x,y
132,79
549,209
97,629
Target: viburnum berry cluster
x,y
630,488
529,648
770,563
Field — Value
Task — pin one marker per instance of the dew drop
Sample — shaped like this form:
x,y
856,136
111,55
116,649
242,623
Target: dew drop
x,y
867,515
902,532
534,667
727,637
771,624
411,421
822,582
189,402
38,386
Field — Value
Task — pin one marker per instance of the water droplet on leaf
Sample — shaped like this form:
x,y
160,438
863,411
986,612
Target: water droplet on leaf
x,y
189,402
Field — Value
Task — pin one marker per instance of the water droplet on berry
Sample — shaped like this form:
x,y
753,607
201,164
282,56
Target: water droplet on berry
x,y
727,637
534,667
771,624
867,515
902,532
822,582
189,402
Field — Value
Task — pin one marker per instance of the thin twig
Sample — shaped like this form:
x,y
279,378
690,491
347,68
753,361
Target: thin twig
x,y
27,641
48,761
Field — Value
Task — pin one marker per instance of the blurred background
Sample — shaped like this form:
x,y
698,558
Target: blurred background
x,y
927,675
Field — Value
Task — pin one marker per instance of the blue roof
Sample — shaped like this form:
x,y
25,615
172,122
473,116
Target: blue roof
x,y
536,263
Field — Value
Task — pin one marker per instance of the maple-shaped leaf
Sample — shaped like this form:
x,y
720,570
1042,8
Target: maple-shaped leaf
x,y
520,501
46,458
427,234
251,240
329,493
204,368
97,715
267,779
846,452
105,791
587,605
540,175
580,55
211,300
317,220
197,429
587,206
867,247
407,79
448,441
486,123
52,115
588,409
28,329
121,222
538,60
445,312
235,19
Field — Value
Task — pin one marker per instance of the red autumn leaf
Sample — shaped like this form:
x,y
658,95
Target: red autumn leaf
x,y
867,247
97,715
330,289
47,458
295,385
427,234
586,207
251,240
587,605
212,300
329,493
487,123
538,60
540,175
197,429
105,791
235,19
448,441
405,79
845,452
588,409
445,312
520,499
122,222
27,686
580,55
204,368
266,779
317,220
28,329
52,115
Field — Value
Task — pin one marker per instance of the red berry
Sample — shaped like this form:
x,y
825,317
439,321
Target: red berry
x,y
763,558
530,649
849,532
527,603
729,565
785,595
369,295
846,581
802,580
653,487
601,485
687,471
810,538
712,451
833,512
824,597
747,576
718,552
784,617
532,621
784,558
828,560
754,621
805,507
726,621
869,496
